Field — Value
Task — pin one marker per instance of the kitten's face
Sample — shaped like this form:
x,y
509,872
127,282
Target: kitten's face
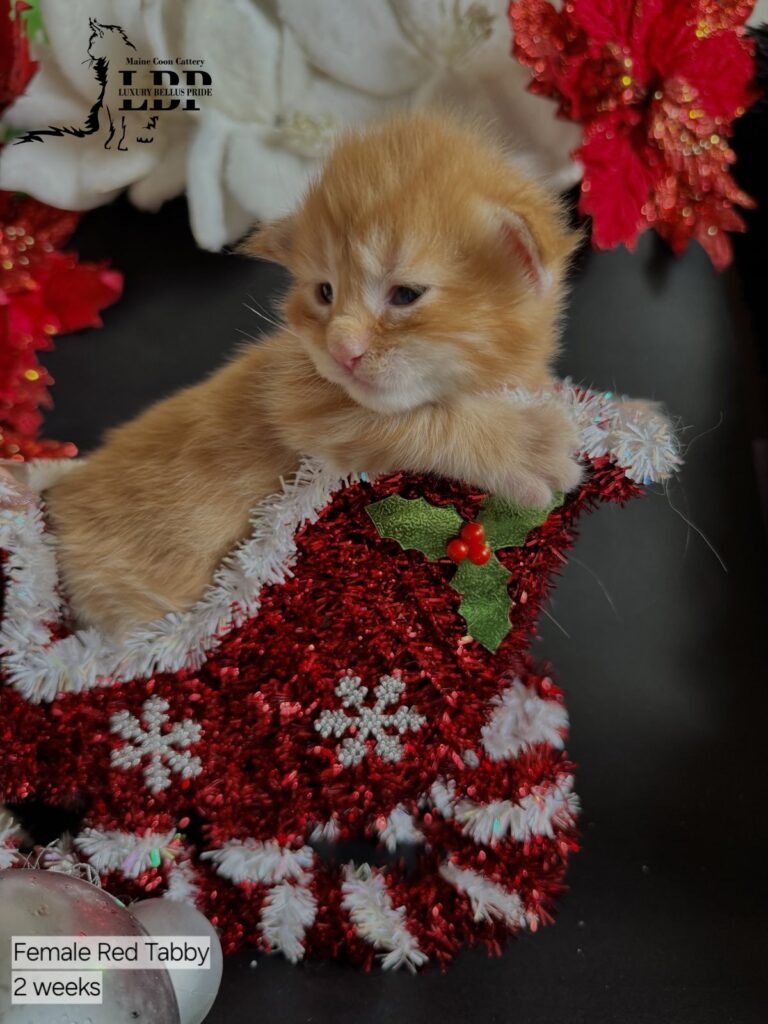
x,y
376,308
414,277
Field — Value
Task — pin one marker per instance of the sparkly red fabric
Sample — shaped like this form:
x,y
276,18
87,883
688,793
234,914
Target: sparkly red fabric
x,y
16,65
359,604
43,292
657,85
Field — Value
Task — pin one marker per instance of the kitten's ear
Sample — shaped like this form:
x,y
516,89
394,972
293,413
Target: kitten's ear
x,y
271,241
519,241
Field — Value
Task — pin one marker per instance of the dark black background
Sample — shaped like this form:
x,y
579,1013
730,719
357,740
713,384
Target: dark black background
x,y
664,661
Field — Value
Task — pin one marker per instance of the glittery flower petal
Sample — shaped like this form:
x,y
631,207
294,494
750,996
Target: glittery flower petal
x,y
610,143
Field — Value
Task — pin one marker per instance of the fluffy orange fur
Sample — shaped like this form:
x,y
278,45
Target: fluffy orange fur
x,y
427,275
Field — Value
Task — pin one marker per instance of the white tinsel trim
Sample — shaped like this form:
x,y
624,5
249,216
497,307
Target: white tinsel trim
x,y
60,856
325,833
10,835
367,901
635,433
288,911
537,814
400,828
40,667
642,440
251,860
124,851
521,718
489,900
441,796
31,598
182,883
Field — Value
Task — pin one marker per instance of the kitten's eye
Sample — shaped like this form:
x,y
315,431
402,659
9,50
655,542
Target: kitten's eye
x,y
401,295
325,293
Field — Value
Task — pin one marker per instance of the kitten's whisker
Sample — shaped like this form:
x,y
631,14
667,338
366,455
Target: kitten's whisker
x,y
259,305
703,433
268,319
552,618
692,526
600,584
262,316
245,334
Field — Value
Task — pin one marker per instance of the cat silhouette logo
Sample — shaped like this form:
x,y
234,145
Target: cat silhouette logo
x,y
130,92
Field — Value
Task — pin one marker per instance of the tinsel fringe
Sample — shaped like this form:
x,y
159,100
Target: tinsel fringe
x,y
369,904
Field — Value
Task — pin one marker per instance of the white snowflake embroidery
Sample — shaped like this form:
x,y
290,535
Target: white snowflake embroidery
x,y
369,722
146,739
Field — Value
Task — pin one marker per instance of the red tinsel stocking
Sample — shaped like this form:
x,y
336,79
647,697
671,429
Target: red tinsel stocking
x,y
345,679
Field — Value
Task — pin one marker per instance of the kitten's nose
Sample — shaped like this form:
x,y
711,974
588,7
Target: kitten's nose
x,y
348,362
349,351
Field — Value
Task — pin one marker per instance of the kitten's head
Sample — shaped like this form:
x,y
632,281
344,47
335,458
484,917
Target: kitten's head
x,y
424,265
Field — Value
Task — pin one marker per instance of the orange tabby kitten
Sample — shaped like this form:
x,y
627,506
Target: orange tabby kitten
x,y
427,274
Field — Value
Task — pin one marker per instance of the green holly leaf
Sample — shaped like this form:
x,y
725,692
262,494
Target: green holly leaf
x,y
485,603
485,600
414,523
507,524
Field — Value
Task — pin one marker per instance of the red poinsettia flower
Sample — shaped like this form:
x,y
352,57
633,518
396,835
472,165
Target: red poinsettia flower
x,y
657,85
43,292
16,66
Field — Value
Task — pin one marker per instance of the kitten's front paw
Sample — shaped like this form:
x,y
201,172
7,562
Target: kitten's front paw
x,y
546,462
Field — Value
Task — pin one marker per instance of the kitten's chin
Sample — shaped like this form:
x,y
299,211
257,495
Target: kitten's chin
x,y
389,399
381,401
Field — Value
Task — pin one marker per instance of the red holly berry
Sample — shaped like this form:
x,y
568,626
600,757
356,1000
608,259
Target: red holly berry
x,y
473,532
479,553
457,549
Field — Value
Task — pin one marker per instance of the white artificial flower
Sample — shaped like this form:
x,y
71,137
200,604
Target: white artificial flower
x,y
759,15
286,77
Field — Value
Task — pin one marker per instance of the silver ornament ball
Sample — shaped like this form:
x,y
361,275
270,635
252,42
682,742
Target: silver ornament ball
x,y
195,990
46,904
